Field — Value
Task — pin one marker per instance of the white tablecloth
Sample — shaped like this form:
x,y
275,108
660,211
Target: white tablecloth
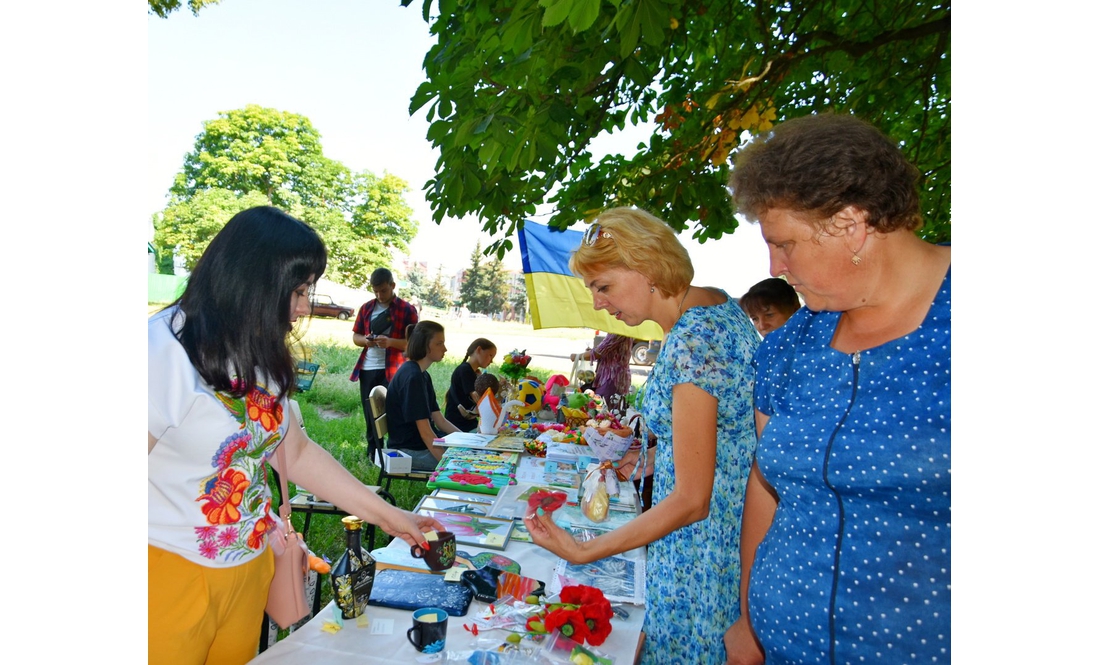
x,y
310,644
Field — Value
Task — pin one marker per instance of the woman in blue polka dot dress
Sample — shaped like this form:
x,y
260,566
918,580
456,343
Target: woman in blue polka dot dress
x,y
849,500
699,405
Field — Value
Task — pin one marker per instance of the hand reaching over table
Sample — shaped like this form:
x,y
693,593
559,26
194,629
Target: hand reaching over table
x,y
546,534
407,526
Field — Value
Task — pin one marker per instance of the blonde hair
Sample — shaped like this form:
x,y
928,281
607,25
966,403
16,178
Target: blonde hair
x,y
640,242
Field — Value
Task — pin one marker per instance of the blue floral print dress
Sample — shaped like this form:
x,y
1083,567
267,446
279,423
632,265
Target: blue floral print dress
x,y
693,574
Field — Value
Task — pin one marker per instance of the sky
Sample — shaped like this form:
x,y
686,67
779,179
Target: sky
x,y
351,68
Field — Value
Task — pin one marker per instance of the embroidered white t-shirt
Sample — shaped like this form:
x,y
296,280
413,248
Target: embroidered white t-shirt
x,y
208,499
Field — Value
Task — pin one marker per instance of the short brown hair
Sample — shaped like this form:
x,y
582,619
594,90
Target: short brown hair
x,y
819,164
771,292
640,242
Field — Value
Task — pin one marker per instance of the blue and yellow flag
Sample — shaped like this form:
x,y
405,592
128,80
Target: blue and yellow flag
x,y
557,298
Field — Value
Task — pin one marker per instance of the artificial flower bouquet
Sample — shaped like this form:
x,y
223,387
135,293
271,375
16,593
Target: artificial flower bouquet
x,y
514,365
582,614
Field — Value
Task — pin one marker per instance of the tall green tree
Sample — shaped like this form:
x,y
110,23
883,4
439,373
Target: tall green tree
x,y
474,291
517,90
417,285
438,295
496,286
258,149
264,156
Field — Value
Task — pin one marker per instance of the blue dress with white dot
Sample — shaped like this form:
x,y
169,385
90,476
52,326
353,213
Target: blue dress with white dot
x,y
856,567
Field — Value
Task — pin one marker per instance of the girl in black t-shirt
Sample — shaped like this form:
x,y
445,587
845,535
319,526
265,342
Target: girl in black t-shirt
x,y
461,398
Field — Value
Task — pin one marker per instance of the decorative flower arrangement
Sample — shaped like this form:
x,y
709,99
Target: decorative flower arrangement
x,y
514,365
535,447
583,615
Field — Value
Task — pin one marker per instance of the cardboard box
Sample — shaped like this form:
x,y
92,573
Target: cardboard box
x,y
397,461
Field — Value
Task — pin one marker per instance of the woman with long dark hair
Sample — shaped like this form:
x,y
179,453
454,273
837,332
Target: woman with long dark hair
x,y
220,372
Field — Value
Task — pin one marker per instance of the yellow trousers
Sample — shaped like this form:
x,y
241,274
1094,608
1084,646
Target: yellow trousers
x,y
205,615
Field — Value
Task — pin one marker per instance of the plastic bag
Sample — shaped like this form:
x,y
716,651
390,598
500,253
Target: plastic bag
x,y
596,501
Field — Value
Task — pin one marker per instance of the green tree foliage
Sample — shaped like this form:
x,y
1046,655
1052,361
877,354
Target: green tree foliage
x,y
416,287
496,286
517,90
187,226
163,8
257,149
485,288
270,157
438,295
474,291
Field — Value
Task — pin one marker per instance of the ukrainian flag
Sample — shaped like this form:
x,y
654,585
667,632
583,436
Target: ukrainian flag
x,y
557,298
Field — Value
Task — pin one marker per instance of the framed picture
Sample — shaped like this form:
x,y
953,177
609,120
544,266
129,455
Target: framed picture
x,y
453,505
491,533
459,495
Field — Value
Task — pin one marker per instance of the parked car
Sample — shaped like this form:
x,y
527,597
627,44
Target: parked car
x,y
642,352
645,353
326,306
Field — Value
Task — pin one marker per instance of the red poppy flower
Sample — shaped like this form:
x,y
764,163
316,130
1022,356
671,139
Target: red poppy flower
x,y
548,501
597,619
224,497
569,622
580,594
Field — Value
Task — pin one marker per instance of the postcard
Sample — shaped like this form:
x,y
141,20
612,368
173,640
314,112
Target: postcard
x,y
620,579
561,474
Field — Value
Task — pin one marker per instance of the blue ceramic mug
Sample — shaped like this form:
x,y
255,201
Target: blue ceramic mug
x,y
429,630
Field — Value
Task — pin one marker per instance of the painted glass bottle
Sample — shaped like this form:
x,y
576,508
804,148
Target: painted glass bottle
x,y
353,574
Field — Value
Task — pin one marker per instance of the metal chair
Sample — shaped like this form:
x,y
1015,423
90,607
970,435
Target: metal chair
x,y
377,400
307,372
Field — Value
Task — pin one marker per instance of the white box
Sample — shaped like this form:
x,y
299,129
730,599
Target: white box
x,y
397,461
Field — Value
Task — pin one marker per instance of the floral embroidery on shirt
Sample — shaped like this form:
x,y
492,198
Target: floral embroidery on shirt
x,y
265,409
235,499
224,496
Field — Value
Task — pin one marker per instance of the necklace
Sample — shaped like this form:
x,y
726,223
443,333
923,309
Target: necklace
x,y
680,307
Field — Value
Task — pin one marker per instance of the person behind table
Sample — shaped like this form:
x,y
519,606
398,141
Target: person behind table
x,y
220,371
769,303
612,357
698,404
847,528
461,398
411,406
380,329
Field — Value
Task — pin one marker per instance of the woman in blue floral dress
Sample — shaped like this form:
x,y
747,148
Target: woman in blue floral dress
x,y
699,406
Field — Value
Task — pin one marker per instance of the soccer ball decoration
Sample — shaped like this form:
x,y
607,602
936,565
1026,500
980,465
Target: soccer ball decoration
x,y
529,394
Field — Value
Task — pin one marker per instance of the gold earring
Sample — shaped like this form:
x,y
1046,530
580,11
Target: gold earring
x,y
856,260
